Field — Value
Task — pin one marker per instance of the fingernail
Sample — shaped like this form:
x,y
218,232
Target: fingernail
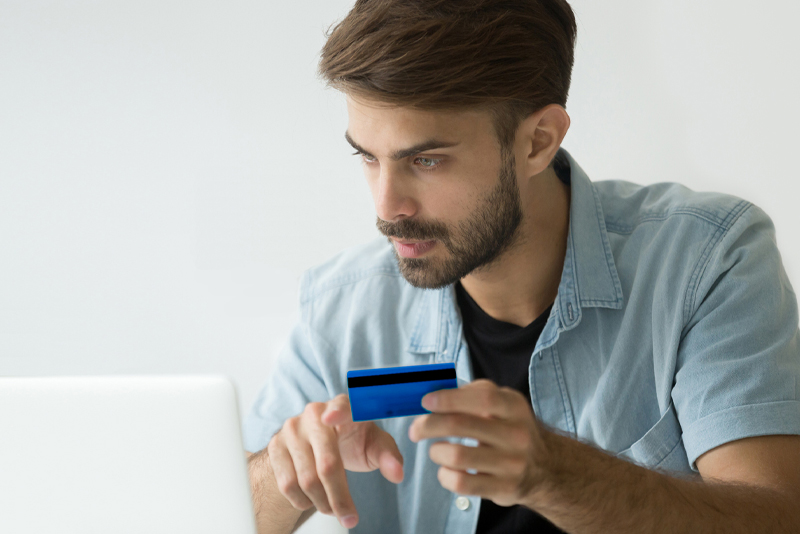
x,y
429,401
348,521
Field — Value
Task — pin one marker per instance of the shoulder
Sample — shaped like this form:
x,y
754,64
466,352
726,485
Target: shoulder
x,y
351,267
627,206
360,285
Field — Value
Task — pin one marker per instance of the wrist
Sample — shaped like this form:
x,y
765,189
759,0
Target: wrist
x,y
548,469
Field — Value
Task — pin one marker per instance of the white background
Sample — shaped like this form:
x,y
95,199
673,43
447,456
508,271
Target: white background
x,y
169,168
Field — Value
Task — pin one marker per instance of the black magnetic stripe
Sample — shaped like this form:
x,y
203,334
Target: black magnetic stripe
x,y
400,378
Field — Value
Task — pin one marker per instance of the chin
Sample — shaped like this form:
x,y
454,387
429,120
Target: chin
x,y
425,274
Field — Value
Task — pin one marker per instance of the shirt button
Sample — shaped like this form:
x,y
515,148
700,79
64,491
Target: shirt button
x,y
462,503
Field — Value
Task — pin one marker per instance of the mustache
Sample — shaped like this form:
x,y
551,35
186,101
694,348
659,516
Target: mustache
x,y
412,229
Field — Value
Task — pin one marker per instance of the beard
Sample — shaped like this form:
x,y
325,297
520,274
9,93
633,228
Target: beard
x,y
473,245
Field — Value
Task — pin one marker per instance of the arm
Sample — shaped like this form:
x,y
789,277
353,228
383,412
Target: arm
x,y
273,512
752,485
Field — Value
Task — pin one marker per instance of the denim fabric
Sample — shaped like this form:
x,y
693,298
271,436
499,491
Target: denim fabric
x,y
675,330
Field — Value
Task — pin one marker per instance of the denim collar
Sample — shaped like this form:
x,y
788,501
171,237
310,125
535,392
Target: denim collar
x,y
589,279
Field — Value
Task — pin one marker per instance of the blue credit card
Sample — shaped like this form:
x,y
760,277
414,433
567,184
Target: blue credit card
x,y
396,391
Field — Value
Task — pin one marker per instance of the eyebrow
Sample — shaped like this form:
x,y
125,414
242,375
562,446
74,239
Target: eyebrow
x,y
403,153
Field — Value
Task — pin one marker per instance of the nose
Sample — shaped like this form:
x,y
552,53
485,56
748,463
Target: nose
x,y
392,194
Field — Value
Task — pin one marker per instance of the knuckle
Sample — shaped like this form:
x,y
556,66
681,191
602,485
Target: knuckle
x,y
327,465
291,425
308,481
314,409
272,446
287,485
301,505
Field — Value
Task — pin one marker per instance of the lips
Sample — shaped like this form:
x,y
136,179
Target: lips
x,y
412,249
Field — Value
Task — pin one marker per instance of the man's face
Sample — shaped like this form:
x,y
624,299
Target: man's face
x,y
459,203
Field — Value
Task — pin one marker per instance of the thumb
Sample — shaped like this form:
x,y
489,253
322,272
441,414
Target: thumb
x,y
382,452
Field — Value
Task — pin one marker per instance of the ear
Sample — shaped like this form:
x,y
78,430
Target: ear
x,y
539,137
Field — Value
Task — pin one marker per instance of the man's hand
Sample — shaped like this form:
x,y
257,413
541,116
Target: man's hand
x,y
584,490
310,454
512,443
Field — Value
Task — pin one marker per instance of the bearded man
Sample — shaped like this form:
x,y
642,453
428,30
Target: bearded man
x,y
630,352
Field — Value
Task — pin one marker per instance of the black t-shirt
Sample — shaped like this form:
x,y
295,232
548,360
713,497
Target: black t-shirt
x,y
502,353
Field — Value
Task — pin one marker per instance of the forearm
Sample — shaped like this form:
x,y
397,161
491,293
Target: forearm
x,y
274,514
591,492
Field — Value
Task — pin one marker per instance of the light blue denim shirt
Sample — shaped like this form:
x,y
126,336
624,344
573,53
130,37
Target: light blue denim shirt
x,y
675,330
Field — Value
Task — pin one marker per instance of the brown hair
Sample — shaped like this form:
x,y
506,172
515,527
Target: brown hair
x,y
510,57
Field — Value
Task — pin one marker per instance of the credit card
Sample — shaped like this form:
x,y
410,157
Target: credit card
x,y
396,391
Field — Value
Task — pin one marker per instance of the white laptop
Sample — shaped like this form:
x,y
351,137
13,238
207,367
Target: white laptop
x,y
122,455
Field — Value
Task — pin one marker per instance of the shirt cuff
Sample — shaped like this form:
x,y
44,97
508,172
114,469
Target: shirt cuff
x,y
740,422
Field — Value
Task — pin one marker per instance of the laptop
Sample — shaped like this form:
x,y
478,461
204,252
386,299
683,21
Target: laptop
x,y
122,455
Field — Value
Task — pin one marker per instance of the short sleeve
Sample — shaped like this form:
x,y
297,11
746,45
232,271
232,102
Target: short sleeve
x,y
295,381
738,363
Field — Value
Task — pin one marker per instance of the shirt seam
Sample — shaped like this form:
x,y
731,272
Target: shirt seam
x,y
609,256
664,459
701,266
702,423
625,229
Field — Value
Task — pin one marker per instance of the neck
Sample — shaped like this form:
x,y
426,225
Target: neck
x,y
523,282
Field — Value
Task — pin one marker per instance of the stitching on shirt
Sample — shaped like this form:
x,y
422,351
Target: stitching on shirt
x,y
576,285
696,273
624,229
596,302
664,459
689,305
606,246
532,386
562,387
441,318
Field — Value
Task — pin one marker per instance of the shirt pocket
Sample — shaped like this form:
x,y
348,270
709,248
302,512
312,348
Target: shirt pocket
x,y
661,447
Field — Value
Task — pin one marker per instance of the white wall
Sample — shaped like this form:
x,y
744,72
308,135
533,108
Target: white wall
x,y
168,169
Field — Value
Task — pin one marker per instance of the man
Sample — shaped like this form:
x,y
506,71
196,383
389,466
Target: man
x,y
632,352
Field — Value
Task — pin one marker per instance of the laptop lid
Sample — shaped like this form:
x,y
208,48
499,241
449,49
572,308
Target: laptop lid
x,y
122,454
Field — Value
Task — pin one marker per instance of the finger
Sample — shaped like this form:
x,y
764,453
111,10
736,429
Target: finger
x,y
337,411
330,469
306,468
481,485
383,453
482,398
494,432
285,476
483,459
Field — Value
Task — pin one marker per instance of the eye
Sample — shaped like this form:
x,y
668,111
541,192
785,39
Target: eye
x,y
366,158
428,162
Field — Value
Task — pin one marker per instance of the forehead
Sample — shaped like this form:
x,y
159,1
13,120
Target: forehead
x,y
377,122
